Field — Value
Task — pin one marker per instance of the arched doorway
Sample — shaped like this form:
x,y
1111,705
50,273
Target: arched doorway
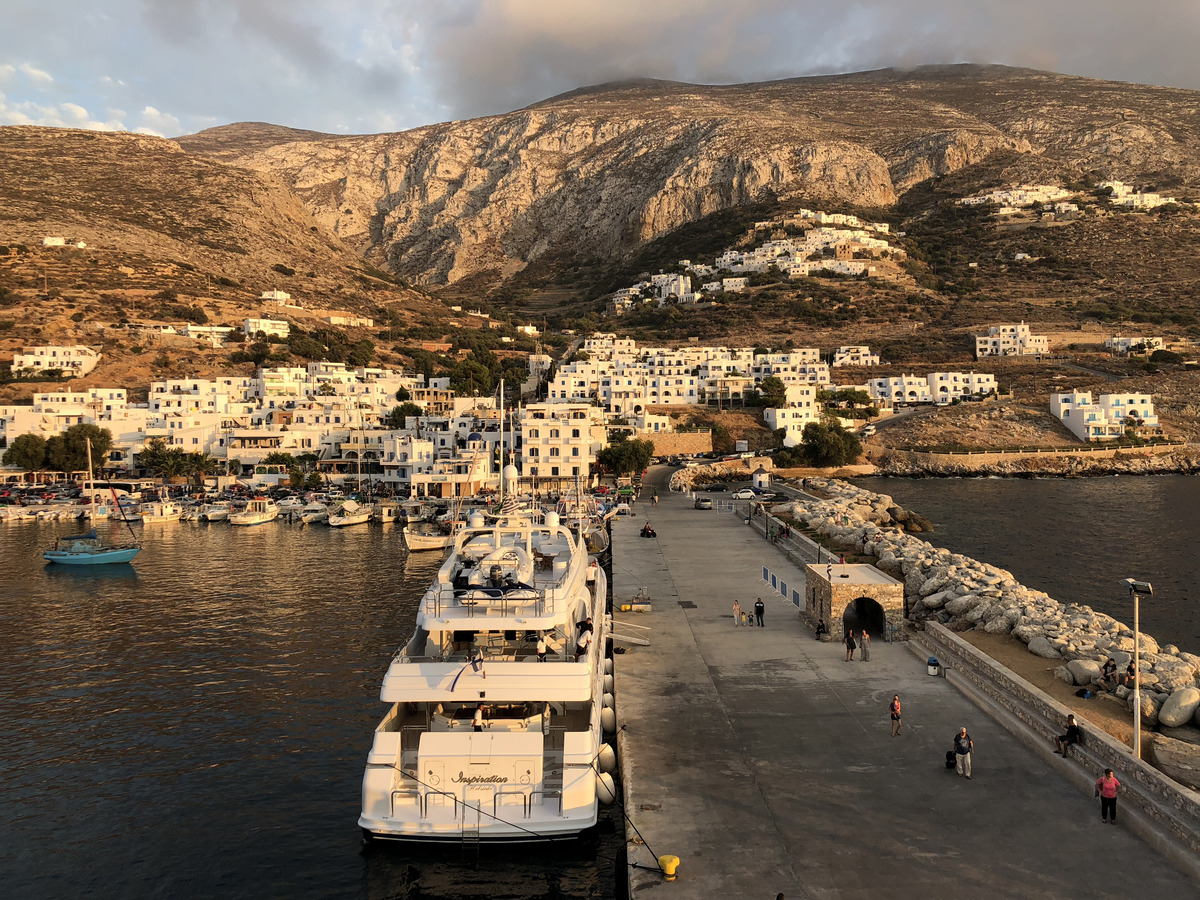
x,y
864,613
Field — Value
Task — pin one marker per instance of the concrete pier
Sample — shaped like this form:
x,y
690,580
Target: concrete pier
x,y
765,762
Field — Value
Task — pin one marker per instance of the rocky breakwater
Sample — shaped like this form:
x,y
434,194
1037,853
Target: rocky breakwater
x,y
922,465
964,593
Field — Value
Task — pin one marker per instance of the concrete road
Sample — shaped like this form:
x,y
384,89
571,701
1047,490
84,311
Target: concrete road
x,y
765,762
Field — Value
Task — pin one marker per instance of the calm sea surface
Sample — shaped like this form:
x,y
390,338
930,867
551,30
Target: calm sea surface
x,y
196,724
1077,538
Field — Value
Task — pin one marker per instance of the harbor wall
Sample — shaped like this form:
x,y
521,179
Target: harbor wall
x,y
1164,814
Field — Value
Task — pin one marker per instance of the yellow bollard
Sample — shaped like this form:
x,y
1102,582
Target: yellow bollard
x,y
668,864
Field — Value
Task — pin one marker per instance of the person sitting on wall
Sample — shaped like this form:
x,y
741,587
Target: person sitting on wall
x,y
1063,741
1130,674
822,628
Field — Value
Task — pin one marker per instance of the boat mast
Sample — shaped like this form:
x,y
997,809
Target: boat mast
x,y
91,478
502,442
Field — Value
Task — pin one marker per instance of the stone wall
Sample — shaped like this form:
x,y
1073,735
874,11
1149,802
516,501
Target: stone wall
x,y
674,442
1167,814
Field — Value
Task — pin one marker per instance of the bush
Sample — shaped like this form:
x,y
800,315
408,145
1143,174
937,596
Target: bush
x,y
283,270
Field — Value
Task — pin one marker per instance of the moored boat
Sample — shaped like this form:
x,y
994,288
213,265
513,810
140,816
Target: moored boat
x,y
214,512
256,512
484,738
314,512
89,550
348,512
161,511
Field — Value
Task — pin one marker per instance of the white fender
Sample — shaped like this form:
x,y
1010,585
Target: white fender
x,y
608,684
608,720
610,701
608,667
606,788
607,758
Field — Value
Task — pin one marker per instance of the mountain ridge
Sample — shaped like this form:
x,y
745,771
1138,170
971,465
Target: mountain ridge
x,y
605,169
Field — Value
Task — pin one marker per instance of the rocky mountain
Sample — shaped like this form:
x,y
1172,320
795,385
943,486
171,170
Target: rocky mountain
x,y
599,172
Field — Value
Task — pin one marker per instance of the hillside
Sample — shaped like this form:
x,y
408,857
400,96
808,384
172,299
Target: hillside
x,y
168,237
591,177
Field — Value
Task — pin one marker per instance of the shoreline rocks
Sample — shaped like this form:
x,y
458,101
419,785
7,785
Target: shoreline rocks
x,y
964,593
902,464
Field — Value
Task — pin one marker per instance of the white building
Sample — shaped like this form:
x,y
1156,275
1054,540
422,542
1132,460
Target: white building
x,y
269,327
1123,346
72,362
802,407
557,441
901,390
947,386
1010,340
855,356
1107,418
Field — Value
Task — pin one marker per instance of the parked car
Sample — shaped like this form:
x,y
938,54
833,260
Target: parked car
x,y
704,503
716,488
745,494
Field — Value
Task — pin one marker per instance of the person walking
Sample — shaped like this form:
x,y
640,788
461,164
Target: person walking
x,y
477,719
1106,789
850,646
737,613
963,745
541,647
894,709
759,609
864,643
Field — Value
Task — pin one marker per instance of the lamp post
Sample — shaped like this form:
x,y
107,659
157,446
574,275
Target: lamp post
x,y
1136,589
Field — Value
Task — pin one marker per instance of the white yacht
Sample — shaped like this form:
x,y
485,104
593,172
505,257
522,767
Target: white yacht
x,y
348,512
256,512
532,765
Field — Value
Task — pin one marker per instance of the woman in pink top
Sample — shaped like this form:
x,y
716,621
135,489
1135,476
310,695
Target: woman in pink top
x,y
1106,789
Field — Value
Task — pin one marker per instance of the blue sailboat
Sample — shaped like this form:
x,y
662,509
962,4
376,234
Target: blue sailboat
x,y
88,550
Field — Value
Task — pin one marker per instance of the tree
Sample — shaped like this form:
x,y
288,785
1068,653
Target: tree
x,y
773,390
27,452
67,452
829,445
296,478
233,466
626,456
326,389
200,465
279,458
395,419
402,395
313,481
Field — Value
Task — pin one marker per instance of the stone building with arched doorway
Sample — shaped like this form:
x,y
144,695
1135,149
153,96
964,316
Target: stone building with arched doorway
x,y
852,596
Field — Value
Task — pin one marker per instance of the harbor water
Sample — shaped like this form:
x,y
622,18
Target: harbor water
x,y
1076,539
196,724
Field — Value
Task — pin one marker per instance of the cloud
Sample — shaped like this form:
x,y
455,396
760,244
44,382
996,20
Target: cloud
x,y
39,77
158,123
62,115
376,65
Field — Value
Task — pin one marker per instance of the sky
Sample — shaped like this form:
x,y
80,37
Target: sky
x,y
172,67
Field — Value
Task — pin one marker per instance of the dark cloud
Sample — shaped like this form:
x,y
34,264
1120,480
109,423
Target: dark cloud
x,y
369,65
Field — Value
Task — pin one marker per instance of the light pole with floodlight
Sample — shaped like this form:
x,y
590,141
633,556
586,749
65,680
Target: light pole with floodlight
x,y
1136,589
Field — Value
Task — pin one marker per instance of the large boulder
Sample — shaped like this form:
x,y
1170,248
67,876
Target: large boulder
x,y
1180,707
1084,670
1039,646
1151,703
1063,673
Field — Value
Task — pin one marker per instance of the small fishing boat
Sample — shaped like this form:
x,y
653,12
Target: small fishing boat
x,y
89,550
161,511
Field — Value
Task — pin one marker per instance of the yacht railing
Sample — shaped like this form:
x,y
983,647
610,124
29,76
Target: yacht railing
x,y
548,794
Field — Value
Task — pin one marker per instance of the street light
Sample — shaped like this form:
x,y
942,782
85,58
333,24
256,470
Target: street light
x,y
1136,589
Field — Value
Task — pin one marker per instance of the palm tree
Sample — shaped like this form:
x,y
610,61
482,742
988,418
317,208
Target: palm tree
x,y
200,465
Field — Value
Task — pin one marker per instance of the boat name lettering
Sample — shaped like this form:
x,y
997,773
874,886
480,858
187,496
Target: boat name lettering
x,y
479,779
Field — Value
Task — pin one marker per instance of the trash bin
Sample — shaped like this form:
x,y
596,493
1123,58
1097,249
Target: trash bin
x,y
934,666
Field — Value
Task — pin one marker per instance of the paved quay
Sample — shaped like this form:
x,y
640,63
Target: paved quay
x,y
765,762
